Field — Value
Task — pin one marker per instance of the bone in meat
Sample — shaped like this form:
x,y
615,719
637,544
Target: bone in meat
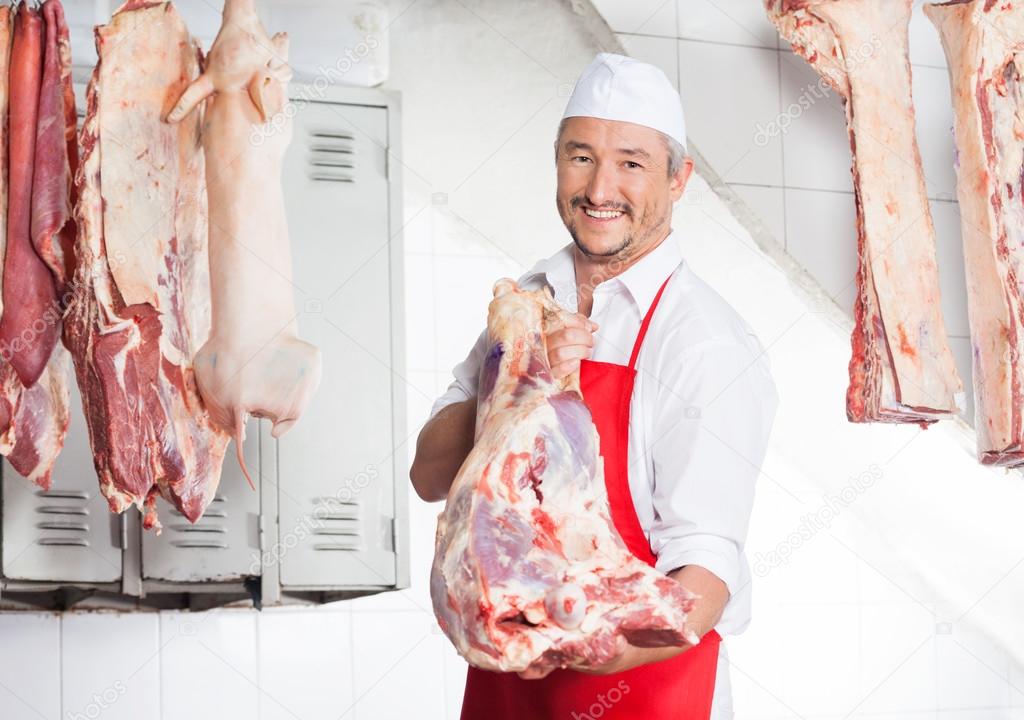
x,y
902,369
529,570
254,361
141,303
984,44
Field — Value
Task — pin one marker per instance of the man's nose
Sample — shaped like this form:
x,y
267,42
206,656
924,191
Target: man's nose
x,y
601,187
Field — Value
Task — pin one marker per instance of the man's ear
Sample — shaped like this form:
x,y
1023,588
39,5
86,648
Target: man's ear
x,y
679,180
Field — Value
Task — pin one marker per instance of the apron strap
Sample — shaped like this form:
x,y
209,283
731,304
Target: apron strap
x,y
646,323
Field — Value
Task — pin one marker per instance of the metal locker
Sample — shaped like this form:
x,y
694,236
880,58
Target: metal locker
x,y
224,543
67,533
339,514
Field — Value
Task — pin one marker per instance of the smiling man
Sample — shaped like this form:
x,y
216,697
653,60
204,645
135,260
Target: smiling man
x,y
678,386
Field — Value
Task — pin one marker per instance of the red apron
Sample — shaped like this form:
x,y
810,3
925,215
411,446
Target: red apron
x,y
679,688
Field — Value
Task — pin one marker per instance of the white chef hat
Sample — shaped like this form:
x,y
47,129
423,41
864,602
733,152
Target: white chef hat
x,y
615,87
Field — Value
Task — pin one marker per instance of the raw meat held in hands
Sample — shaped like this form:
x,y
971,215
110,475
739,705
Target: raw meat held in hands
x,y
529,570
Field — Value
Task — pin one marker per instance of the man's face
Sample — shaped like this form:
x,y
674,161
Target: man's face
x,y
614,194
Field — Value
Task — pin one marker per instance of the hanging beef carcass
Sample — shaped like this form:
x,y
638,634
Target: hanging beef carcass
x,y
529,570
141,307
902,369
984,44
40,152
254,361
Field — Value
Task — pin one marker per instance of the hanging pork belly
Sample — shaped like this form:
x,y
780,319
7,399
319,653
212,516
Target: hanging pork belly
x,y
142,297
984,44
39,156
902,369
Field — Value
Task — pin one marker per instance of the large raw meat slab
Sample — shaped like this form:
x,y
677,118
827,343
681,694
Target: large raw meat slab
x,y
529,570
984,44
902,369
142,301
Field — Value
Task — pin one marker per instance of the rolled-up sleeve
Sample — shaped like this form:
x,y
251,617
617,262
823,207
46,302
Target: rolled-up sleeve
x,y
710,433
465,377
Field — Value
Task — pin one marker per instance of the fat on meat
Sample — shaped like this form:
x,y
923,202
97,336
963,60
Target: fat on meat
x,y
529,570
141,304
901,369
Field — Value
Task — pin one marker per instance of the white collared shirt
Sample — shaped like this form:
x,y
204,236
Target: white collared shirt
x,y
701,413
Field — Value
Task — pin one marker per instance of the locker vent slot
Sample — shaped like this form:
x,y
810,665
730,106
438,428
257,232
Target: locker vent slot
x,y
332,156
204,534
213,544
337,524
62,514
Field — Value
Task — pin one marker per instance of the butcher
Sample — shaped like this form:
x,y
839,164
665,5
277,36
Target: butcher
x,y
679,388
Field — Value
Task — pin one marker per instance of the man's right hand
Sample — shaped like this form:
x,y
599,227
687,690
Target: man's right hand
x,y
569,340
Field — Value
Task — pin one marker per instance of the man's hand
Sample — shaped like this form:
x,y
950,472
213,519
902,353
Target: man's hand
x,y
569,342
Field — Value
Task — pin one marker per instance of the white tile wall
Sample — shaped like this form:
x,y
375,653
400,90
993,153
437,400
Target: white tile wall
x,y
110,664
729,91
30,666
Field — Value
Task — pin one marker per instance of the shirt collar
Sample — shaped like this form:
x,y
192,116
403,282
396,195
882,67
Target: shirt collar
x,y
642,280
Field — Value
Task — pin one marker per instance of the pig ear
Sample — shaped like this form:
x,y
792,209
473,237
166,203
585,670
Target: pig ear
x,y
280,43
200,89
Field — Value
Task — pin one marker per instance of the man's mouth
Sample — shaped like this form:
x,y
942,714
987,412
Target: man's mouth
x,y
602,214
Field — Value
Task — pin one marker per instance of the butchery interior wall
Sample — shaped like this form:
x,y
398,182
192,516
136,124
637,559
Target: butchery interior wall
x,y
887,563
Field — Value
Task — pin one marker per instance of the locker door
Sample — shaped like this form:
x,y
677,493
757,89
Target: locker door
x,y
67,534
224,543
336,478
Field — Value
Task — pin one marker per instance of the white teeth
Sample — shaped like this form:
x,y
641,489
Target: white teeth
x,y
602,213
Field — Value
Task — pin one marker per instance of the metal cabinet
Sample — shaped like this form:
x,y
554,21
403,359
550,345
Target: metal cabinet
x,y
66,533
329,516
224,543
341,519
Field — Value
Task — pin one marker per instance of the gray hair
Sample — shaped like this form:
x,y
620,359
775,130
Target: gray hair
x,y
676,151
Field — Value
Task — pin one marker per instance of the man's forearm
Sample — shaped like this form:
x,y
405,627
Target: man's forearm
x,y
442,447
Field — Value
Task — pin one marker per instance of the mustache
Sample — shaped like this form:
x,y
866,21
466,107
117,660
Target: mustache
x,y
581,199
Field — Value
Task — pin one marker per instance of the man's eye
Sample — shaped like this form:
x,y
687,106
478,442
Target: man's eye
x,y
633,165
581,158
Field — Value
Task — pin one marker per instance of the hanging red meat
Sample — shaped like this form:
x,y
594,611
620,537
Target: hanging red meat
x,y
984,44
34,419
56,155
254,362
31,319
529,570
142,303
902,369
